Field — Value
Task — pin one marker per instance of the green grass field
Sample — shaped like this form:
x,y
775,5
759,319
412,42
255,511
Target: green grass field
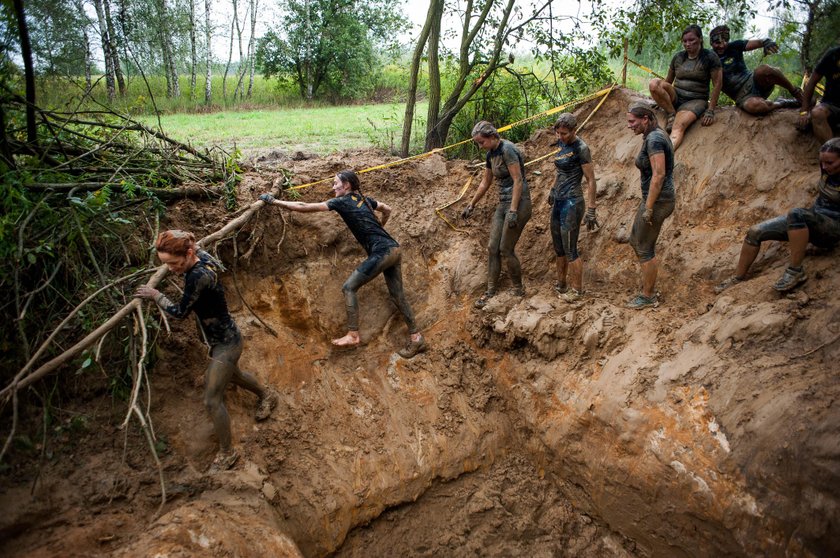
x,y
319,130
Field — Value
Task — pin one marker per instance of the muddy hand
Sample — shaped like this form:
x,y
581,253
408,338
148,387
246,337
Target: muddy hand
x,y
708,118
145,291
267,198
647,216
804,118
511,219
591,220
770,47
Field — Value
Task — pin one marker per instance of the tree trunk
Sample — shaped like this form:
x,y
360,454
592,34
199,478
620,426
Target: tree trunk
x,y
240,72
81,11
307,69
251,47
193,56
434,78
411,100
208,85
173,88
230,50
437,129
29,72
106,50
806,57
115,56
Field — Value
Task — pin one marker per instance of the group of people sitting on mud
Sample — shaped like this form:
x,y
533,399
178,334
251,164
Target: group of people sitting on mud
x,y
683,95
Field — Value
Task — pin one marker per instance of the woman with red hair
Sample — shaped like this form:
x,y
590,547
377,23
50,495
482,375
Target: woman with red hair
x,y
204,295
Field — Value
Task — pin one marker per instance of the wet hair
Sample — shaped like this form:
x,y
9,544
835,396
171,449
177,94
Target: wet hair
x,y
694,28
566,120
351,178
175,242
721,30
831,146
485,129
641,110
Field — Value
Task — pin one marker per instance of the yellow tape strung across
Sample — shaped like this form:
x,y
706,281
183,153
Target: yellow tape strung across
x,y
604,92
439,210
442,149
645,68
579,128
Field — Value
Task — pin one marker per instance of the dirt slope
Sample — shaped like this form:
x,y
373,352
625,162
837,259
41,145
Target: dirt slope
x,y
699,428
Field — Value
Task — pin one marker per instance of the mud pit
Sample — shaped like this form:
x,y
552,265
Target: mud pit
x,y
532,427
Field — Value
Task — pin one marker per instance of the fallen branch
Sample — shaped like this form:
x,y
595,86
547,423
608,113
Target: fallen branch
x,y
23,380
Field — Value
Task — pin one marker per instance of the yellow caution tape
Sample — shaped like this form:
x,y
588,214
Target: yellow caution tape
x,y
645,68
439,210
604,93
463,142
579,128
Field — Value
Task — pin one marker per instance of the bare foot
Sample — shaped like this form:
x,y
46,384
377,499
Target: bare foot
x,y
350,340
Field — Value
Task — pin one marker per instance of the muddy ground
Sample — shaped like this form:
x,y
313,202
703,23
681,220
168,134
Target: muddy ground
x,y
707,426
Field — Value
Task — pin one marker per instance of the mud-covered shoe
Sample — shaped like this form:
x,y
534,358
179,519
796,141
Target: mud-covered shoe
x,y
790,279
266,404
641,301
224,461
413,348
572,295
484,299
518,291
560,288
725,284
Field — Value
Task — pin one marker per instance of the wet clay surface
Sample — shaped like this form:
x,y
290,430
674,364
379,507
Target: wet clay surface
x,y
707,426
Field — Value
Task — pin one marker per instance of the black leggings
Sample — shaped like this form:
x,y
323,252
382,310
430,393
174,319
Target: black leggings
x,y
388,263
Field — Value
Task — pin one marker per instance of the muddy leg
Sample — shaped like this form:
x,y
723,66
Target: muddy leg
x,y
219,373
393,279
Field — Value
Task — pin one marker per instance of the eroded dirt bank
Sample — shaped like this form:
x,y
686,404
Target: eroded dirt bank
x,y
707,426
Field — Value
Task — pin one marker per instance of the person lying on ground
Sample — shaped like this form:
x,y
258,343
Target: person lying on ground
x,y
504,162
826,115
204,295
359,214
568,208
749,89
819,225
684,93
655,162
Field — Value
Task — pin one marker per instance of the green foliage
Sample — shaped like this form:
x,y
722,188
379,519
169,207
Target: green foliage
x,y
658,24
57,33
327,47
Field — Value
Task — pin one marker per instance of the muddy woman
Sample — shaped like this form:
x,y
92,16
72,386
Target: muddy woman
x,y
573,163
655,162
204,295
359,214
505,163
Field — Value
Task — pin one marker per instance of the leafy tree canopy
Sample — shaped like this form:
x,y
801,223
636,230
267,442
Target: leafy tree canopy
x,y
329,46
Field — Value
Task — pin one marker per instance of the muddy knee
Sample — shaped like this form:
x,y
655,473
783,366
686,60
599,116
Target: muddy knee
x,y
753,237
655,85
